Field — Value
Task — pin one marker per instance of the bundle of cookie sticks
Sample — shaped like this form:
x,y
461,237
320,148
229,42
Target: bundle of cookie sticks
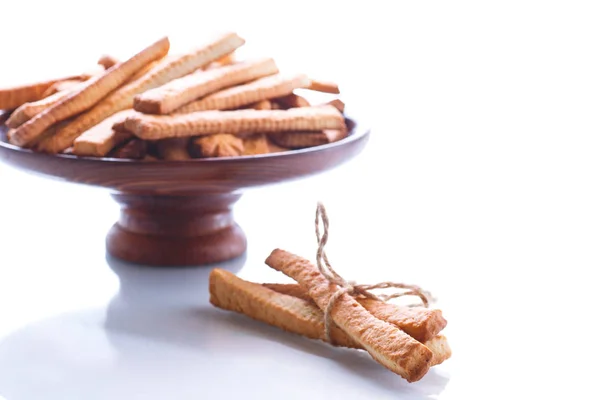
x,y
321,305
203,103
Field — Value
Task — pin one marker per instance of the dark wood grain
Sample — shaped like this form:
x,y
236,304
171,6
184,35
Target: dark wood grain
x,y
179,213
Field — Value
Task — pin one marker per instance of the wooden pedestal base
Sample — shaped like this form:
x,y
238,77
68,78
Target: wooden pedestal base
x,y
176,230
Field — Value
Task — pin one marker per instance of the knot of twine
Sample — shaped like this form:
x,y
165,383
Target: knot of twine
x,y
349,287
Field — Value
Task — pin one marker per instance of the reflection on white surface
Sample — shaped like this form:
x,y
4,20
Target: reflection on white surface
x,y
159,336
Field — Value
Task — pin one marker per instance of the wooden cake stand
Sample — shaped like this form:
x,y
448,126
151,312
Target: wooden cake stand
x,y
180,213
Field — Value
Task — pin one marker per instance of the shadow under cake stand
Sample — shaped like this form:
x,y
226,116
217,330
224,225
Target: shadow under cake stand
x,y
180,213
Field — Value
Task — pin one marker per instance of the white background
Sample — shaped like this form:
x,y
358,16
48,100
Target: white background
x,y
480,183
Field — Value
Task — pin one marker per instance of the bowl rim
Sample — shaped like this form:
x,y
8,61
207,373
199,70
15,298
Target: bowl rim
x,y
357,131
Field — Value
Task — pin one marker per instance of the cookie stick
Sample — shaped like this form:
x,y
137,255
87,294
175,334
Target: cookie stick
x,y
134,149
290,313
100,139
421,323
173,149
13,97
237,96
86,97
29,110
261,105
391,347
221,62
292,100
300,140
218,145
167,70
324,86
153,127
169,97
62,86
107,61
256,144
337,103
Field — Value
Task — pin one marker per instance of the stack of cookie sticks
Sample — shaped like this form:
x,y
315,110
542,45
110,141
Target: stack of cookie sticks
x,y
321,305
201,103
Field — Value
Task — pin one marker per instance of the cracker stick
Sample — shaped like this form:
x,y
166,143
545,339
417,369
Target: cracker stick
x,y
274,148
170,68
227,59
120,126
391,347
421,323
86,97
337,103
300,140
324,86
289,313
256,144
47,133
178,92
13,97
107,61
291,101
100,139
134,149
261,105
60,86
219,145
153,127
440,348
237,96
173,149
221,62
9,134
29,110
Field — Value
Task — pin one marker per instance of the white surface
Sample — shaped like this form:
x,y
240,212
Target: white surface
x,y
480,184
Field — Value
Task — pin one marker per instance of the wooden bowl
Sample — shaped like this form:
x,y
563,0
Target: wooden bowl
x,y
180,213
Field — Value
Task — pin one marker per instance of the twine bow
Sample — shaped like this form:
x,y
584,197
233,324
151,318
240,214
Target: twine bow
x,y
349,287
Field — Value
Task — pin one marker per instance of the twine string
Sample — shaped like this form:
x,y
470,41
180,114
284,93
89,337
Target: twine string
x,y
351,288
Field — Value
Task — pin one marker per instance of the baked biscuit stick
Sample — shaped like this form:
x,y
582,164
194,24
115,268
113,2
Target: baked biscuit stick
x,y
227,59
256,144
13,97
221,62
84,98
391,347
337,103
134,149
274,148
292,100
168,69
179,92
107,61
323,86
290,313
153,127
219,145
261,105
421,323
100,139
237,96
300,140
61,86
173,149
29,110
